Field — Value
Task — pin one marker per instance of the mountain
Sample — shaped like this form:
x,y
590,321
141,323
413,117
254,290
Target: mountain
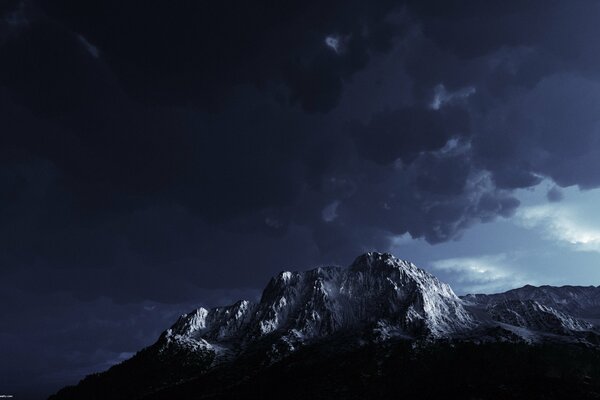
x,y
541,313
377,293
333,323
580,301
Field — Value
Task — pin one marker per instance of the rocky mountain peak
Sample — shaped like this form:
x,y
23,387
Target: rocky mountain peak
x,y
377,300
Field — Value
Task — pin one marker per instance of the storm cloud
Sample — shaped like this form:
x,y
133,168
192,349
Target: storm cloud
x,y
152,152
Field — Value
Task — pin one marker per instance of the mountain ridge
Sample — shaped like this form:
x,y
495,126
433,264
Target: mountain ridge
x,y
378,299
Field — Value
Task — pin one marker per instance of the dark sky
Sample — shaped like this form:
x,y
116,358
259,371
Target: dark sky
x,y
156,156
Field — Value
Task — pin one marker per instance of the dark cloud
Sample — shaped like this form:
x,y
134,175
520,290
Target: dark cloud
x,y
406,132
191,52
158,152
112,176
548,131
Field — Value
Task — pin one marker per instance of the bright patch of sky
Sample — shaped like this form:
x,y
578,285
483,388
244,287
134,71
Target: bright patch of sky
x,y
487,273
554,243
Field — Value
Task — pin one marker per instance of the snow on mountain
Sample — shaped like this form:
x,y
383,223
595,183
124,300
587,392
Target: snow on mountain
x,y
581,301
377,297
566,310
533,315
378,293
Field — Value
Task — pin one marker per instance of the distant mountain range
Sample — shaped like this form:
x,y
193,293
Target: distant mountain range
x,y
381,328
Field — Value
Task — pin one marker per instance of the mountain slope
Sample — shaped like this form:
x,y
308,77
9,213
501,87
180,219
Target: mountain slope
x,y
568,311
533,315
377,294
580,301
379,302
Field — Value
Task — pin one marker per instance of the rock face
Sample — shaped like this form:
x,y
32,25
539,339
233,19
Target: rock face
x,y
533,315
377,300
377,294
568,311
579,301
